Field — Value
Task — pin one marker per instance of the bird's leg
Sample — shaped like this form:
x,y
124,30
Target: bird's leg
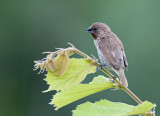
x,y
114,78
101,66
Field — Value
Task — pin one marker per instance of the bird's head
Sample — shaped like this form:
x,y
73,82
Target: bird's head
x,y
98,29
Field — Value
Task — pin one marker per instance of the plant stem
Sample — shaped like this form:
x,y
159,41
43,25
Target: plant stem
x,y
128,91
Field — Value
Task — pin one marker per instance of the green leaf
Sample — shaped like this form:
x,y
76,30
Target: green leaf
x,y
77,92
75,73
107,108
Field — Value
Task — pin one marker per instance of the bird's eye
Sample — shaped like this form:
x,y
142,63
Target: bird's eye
x,y
94,28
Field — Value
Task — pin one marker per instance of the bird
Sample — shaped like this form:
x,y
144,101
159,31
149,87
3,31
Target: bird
x,y
110,50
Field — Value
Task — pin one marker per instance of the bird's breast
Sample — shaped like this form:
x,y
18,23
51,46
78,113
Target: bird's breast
x,y
100,54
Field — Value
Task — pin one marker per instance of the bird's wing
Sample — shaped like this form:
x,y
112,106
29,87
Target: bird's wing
x,y
125,61
112,49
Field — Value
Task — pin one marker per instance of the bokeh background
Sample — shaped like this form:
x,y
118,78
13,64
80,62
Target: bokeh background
x,y
30,27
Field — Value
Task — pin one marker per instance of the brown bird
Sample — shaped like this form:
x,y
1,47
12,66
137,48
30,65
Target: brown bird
x,y
110,49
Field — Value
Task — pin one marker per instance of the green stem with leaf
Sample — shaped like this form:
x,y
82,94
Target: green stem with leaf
x,y
128,91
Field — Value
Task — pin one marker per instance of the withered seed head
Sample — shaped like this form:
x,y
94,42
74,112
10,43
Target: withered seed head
x,y
56,62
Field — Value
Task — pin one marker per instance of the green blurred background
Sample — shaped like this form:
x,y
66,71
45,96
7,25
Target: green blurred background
x,y
30,27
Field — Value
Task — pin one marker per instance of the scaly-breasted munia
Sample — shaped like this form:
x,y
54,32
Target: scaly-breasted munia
x,y
110,49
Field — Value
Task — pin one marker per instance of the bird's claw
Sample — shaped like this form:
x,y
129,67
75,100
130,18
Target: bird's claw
x,y
114,78
101,66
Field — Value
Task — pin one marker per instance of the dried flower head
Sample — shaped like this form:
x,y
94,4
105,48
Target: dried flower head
x,y
56,62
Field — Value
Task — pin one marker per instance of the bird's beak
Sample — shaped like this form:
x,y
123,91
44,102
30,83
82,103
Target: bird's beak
x,y
89,30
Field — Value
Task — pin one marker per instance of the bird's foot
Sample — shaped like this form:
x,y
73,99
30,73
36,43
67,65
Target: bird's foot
x,y
114,78
101,66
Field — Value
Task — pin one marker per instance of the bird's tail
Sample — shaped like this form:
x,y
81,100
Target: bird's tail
x,y
122,77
